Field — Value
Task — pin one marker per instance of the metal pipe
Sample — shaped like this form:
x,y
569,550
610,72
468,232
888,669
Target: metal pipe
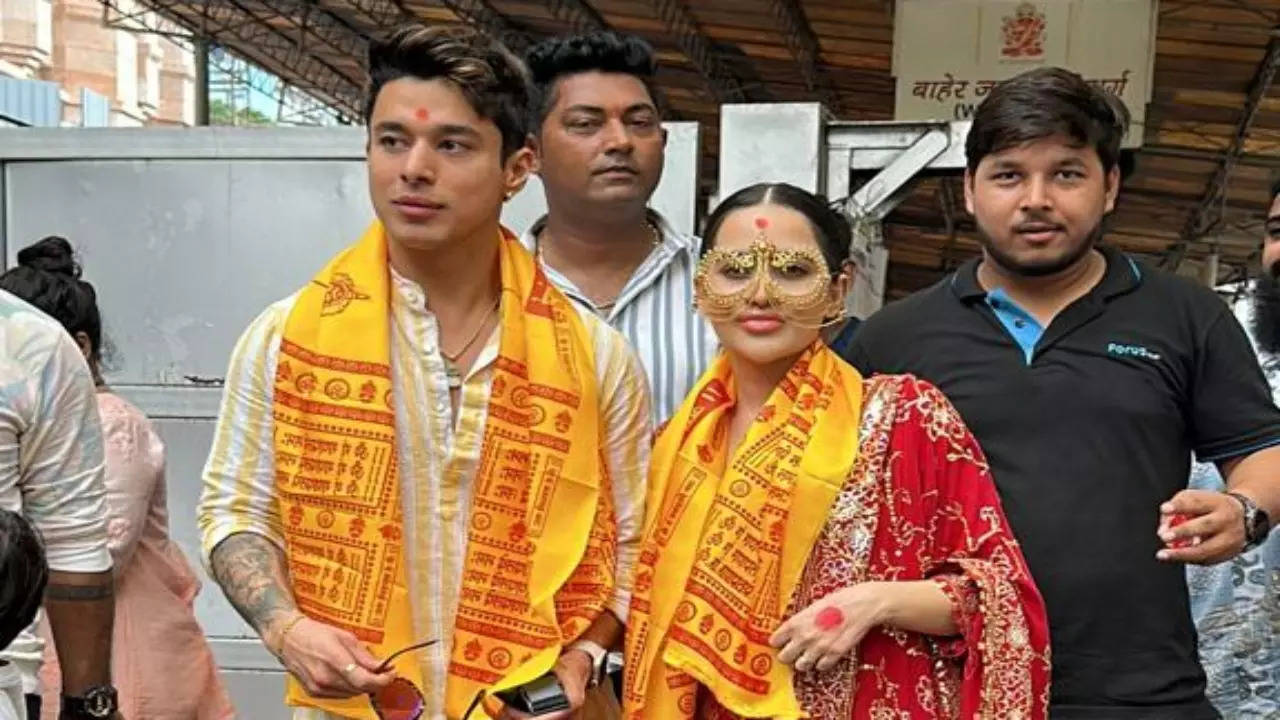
x,y
201,51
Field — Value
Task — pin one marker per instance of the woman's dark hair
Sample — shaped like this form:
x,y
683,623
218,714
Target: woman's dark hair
x,y
48,277
23,575
830,227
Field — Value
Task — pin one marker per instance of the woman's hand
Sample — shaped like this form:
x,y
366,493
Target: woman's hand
x,y
829,629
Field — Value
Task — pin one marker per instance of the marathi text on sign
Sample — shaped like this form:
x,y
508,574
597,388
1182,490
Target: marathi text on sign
x,y
964,95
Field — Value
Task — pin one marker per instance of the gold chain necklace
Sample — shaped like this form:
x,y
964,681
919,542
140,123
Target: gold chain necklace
x,y
605,307
451,371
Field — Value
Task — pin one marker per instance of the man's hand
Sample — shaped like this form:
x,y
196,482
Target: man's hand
x,y
573,669
331,662
328,661
1214,528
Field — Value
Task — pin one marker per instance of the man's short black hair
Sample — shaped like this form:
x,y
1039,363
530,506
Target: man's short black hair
x,y
604,51
1042,103
1275,189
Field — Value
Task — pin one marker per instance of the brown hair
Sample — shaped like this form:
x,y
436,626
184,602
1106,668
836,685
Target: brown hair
x,y
492,78
1042,103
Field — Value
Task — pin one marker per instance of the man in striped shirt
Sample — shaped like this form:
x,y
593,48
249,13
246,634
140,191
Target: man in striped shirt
x,y
599,140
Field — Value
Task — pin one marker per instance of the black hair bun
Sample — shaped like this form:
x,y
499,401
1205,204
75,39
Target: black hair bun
x,y
53,255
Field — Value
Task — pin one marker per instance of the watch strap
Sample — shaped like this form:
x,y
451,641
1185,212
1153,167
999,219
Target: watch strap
x,y
597,653
1256,523
96,703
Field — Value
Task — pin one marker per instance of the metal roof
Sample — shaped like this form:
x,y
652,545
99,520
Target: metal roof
x,y
1199,184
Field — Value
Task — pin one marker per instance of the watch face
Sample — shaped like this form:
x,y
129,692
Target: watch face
x,y
100,702
1258,526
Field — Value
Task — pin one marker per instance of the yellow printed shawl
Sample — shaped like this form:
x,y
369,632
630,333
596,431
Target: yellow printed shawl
x,y
539,564
727,538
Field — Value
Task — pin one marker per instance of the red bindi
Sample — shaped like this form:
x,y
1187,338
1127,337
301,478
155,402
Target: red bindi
x,y
828,618
762,223
421,114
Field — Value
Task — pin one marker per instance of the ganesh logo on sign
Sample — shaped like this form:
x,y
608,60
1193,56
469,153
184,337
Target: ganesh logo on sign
x,y
1023,34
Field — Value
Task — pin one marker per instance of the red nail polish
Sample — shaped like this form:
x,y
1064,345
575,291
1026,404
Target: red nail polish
x,y
1174,521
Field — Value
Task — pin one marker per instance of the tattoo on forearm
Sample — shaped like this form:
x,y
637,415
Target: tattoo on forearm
x,y
250,570
77,593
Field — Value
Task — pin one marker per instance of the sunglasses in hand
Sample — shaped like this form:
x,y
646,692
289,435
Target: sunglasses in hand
x,y
401,700
536,697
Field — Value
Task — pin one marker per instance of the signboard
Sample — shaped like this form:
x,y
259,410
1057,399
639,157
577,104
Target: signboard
x,y
948,54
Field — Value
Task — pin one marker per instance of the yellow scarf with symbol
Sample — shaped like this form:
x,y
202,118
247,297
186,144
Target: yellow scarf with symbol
x,y
539,564
727,538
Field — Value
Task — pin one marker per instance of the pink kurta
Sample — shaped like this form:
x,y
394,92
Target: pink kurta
x,y
160,662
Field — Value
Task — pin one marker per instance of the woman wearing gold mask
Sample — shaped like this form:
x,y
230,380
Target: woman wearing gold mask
x,y
818,544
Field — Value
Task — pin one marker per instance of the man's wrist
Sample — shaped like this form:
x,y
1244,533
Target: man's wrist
x,y
97,703
1257,524
276,631
595,655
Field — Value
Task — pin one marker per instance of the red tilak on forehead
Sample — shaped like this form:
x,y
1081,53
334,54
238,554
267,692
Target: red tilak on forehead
x,y
421,114
762,222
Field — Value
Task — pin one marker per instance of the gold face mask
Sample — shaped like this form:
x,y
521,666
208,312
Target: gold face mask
x,y
796,283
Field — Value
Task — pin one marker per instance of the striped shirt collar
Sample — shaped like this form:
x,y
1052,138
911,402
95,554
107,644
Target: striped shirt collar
x,y
674,243
655,314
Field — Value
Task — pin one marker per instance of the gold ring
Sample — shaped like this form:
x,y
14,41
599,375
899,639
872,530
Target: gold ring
x,y
350,668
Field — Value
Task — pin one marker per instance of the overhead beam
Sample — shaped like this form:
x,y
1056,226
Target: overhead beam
x,y
1266,15
224,22
318,20
305,17
384,15
379,15
679,19
1170,151
803,44
134,22
324,29
1209,211
579,17
947,203
487,18
575,15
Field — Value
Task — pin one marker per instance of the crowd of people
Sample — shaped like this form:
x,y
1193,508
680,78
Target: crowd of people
x,y
608,470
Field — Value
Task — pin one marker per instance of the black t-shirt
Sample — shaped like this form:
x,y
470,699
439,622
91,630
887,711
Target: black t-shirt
x,y
1088,427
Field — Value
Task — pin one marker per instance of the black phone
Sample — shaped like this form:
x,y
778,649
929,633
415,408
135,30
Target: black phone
x,y
536,697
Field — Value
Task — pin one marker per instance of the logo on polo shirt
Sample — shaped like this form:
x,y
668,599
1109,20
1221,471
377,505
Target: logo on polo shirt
x,y
1137,351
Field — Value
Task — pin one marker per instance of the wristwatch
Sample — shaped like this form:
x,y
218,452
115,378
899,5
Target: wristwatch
x,y
97,703
597,653
1257,525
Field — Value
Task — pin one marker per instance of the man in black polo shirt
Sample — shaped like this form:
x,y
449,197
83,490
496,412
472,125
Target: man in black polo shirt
x,y
1089,379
